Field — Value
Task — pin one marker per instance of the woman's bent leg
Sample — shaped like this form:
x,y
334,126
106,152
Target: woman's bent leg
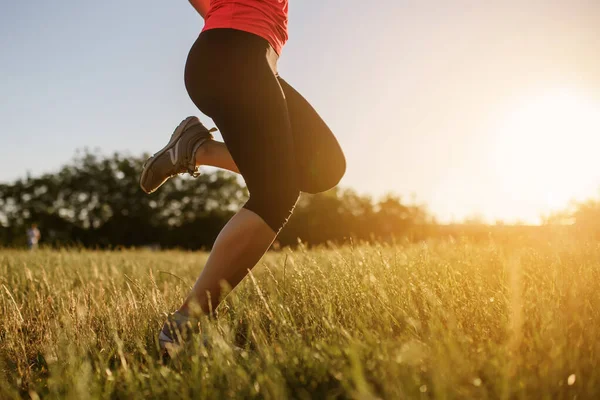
x,y
320,161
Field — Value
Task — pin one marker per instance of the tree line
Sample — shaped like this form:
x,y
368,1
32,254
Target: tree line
x,y
95,201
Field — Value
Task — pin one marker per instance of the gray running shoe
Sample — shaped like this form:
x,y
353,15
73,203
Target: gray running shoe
x,y
177,157
177,330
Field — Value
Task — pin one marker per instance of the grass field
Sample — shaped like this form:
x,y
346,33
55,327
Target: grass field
x,y
444,320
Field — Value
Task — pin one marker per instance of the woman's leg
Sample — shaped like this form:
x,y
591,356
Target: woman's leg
x,y
230,77
319,165
238,248
320,161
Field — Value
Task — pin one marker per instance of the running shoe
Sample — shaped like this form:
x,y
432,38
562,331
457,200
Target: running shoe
x,y
177,157
176,331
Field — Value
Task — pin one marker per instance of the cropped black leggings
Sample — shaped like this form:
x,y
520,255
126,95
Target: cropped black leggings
x,y
278,141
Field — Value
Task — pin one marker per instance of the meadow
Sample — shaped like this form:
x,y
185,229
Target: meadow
x,y
442,319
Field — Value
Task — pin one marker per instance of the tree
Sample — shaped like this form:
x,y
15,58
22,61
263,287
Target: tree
x,y
96,201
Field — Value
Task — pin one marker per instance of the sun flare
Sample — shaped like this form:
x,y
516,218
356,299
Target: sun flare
x,y
545,150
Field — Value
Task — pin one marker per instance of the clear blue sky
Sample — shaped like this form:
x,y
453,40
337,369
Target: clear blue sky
x,y
416,91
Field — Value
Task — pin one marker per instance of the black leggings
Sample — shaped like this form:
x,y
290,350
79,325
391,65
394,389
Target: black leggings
x,y
278,141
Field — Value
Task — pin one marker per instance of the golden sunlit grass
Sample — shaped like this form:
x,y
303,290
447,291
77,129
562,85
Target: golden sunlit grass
x,y
448,320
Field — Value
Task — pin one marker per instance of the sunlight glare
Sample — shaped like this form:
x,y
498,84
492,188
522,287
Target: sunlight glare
x,y
545,151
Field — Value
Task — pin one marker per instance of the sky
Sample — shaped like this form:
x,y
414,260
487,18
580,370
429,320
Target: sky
x,y
473,108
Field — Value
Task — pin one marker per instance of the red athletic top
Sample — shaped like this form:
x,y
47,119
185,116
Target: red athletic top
x,y
265,18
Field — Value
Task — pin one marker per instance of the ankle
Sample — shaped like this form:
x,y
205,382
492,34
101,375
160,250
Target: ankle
x,y
184,310
190,310
202,153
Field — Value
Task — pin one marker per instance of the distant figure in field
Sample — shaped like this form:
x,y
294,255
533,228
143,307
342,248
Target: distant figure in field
x,y
272,137
33,237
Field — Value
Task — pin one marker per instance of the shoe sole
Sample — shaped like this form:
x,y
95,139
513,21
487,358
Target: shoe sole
x,y
148,164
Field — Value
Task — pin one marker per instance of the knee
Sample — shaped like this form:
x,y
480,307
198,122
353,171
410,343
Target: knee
x,y
338,170
324,173
275,209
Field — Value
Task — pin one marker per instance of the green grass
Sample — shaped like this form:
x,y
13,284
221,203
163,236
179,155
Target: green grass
x,y
444,320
